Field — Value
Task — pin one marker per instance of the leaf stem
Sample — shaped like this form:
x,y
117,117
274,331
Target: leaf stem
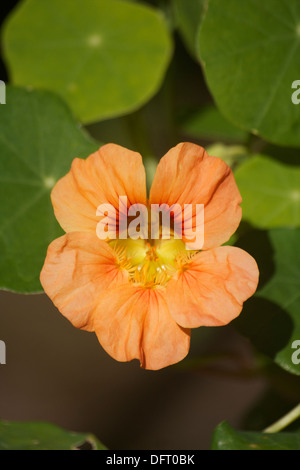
x,y
285,421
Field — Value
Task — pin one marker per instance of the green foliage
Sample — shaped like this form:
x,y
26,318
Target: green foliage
x,y
39,138
226,438
208,123
233,155
270,191
107,61
188,15
82,53
44,436
250,55
271,319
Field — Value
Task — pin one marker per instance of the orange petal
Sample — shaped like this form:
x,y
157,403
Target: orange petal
x,y
211,288
188,175
105,175
77,269
135,323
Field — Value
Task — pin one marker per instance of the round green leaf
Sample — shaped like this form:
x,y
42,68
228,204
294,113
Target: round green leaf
x,y
105,58
188,15
271,318
44,436
227,438
270,192
209,124
250,53
39,138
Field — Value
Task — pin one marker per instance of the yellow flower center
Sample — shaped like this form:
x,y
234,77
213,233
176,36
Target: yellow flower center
x,y
151,263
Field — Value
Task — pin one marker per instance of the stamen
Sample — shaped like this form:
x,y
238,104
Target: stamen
x,y
122,260
183,258
151,253
149,263
145,277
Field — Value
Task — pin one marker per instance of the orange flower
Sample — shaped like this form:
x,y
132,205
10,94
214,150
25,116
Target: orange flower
x,y
142,297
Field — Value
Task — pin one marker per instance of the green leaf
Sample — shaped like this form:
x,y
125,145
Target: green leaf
x,y
227,438
39,138
208,123
271,318
44,436
233,155
270,191
105,59
188,15
250,54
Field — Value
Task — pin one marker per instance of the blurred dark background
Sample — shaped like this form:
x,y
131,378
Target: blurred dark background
x,y
59,374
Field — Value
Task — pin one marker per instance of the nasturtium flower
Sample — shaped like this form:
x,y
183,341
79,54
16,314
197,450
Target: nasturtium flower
x,y
142,297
